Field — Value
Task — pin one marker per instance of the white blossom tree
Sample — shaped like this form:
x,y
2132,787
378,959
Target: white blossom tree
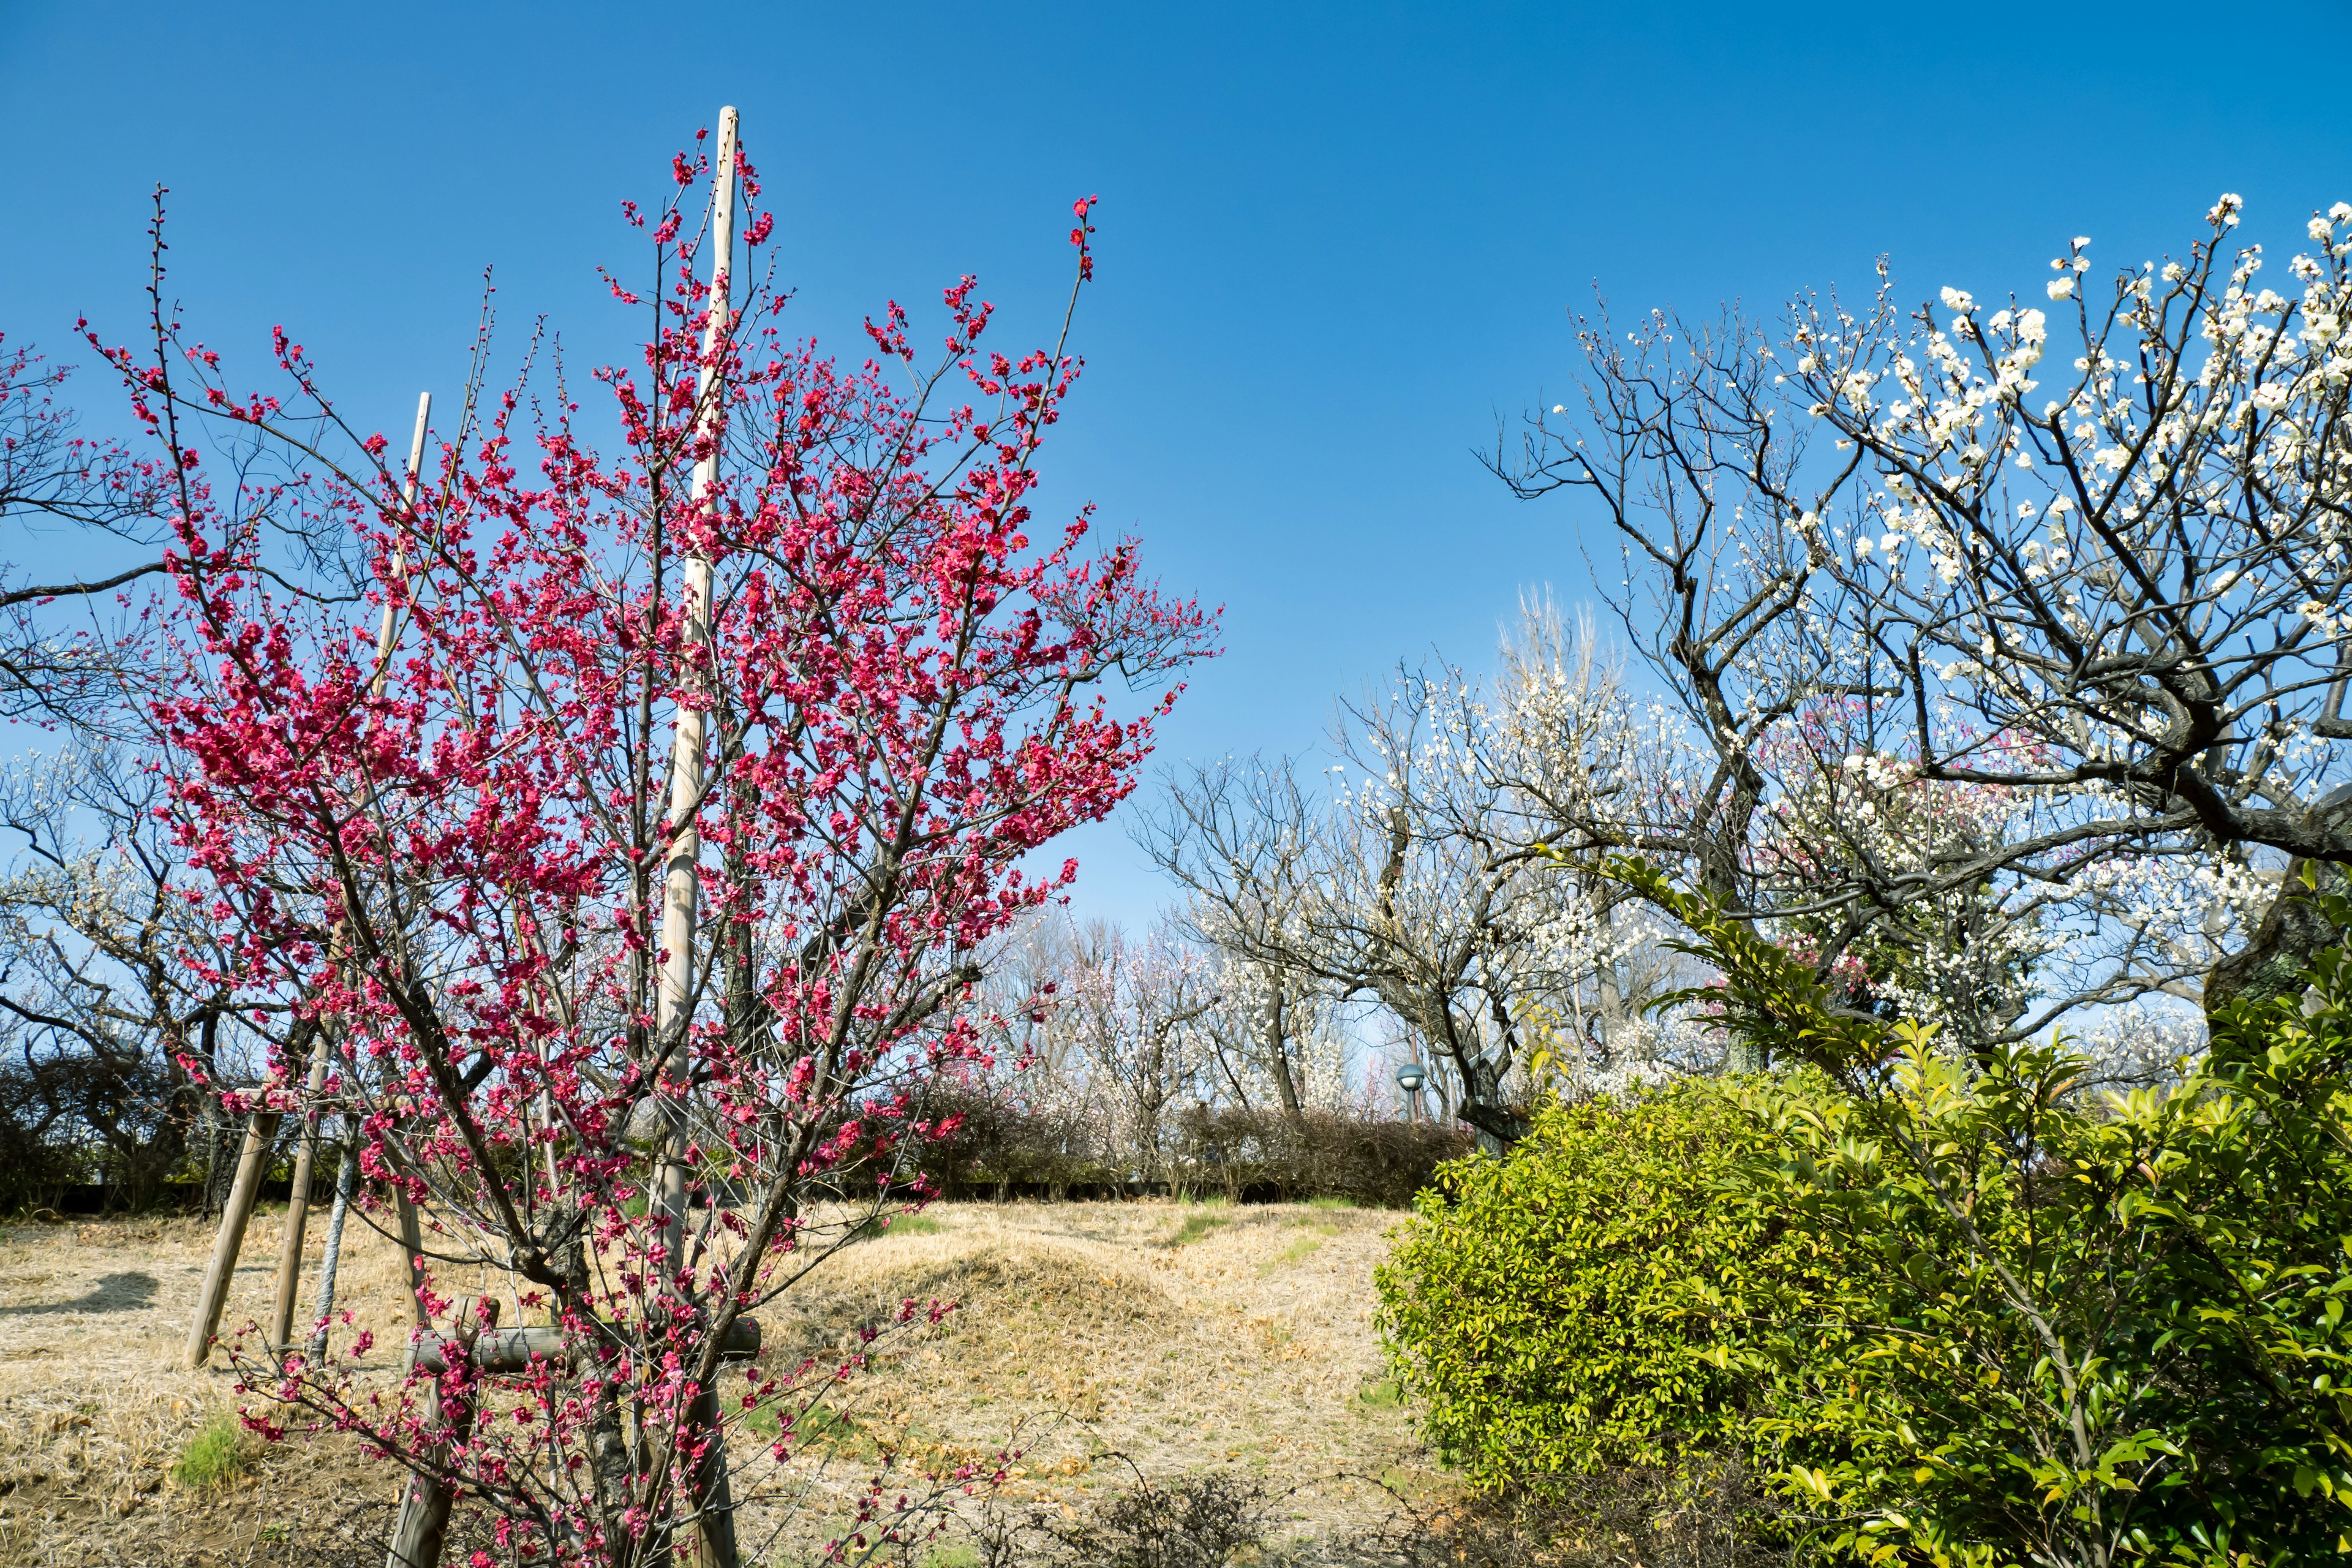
x,y
1430,878
2007,705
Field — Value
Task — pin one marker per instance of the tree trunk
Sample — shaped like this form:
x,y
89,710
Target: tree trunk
x,y
2295,931
705,1533
1496,1124
423,1528
1278,1051
608,1447
412,1242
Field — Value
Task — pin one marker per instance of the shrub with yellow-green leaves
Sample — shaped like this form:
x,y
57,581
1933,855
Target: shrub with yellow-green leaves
x,y
1601,1297
1961,1310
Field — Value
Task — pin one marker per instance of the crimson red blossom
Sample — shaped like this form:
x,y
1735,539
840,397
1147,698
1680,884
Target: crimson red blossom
x,y
434,819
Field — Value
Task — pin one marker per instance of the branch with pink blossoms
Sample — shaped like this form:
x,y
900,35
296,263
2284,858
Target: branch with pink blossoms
x,y
911,685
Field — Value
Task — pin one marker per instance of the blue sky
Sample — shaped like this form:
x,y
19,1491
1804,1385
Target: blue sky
x,y
1337,243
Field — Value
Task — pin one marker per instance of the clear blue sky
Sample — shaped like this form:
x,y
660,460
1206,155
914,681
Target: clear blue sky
x,y
1338,242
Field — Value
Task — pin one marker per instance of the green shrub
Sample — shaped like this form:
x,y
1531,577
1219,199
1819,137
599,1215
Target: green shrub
x,y
1592,1299
1264,1156
2074,1329
215,1455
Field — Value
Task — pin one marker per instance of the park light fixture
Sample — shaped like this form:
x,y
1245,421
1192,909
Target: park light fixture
x,y
1410,1077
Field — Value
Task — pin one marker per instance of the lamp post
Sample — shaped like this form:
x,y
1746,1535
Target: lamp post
x,y
1410,1077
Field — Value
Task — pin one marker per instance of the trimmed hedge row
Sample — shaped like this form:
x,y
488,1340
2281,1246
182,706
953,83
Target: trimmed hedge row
x,y
999,1151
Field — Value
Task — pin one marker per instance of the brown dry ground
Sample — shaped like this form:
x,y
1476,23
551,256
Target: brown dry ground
x,y
1169,1338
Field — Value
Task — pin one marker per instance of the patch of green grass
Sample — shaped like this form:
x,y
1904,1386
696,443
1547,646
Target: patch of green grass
x,y
1382,1393
880,1226
823,1425
1195,1226
1297,1252
962,1554
1330,1202
213,1456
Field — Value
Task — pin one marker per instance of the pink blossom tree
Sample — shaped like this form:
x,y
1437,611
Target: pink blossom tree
x,y
448,851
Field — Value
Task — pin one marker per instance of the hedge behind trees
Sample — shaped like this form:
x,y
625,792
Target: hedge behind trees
x,y
75,1124
1000,1149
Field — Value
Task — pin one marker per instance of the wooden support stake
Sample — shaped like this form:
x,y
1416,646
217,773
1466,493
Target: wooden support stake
x,y
297,1206
347,1182
260,1136
509,1352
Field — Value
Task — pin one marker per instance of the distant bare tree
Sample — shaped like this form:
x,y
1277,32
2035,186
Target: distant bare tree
x,y
1133,1009
60,655
1431,879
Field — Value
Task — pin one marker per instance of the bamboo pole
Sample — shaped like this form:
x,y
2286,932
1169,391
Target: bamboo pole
x,y
707,1522
682,881
260,1135
412,1240
347,1177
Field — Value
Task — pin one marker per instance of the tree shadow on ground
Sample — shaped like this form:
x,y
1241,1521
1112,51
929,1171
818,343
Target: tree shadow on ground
x,y
113,1293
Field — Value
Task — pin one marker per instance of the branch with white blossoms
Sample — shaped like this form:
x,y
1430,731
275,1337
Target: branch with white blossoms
x,y
2142,568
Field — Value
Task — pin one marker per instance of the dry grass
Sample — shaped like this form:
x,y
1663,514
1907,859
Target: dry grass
x,y
1083,1331
95,1411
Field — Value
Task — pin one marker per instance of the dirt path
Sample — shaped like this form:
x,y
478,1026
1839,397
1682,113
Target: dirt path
x,y
1093,1337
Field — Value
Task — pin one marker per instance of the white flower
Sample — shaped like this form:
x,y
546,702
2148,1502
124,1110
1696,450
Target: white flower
x,y
1805,365
2082,241
2061,288
1890,542
2341,212
1959,300
2174,272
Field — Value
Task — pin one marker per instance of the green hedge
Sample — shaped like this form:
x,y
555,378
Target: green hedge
x,y
1958,1308
1590,1300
